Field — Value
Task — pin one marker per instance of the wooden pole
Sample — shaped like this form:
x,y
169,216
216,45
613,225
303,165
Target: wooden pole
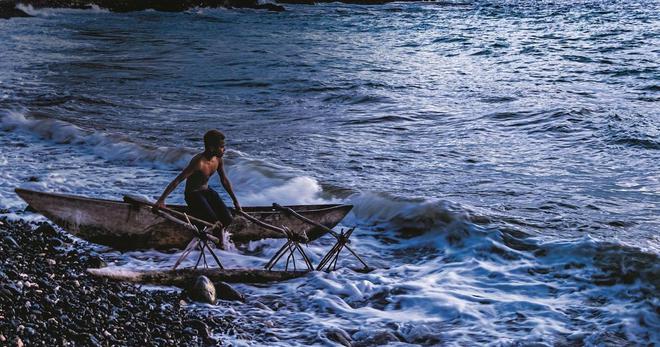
x,y
342,240
167,212
304,219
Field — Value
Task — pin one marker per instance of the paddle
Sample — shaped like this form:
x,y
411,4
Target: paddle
x,y
201,236
136,199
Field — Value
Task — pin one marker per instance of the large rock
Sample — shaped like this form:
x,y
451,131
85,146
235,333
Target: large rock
x,y
46,229
201,327
339,336
8,10
203,290
227,292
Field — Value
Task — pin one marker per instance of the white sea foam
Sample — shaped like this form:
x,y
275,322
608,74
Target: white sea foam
x,y
441,278
256,182
109,147
418,214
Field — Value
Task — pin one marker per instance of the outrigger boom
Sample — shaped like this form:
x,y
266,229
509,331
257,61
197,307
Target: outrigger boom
x,y
329,261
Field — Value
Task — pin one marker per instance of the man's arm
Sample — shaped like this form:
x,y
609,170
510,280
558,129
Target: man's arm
x,y
227,185
192,166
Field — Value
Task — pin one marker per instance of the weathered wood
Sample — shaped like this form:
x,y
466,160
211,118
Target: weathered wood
x,y
167,212
127,226
185,277
291,212
288,233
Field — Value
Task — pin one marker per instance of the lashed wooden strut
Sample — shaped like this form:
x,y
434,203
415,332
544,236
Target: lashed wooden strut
x,y
332,257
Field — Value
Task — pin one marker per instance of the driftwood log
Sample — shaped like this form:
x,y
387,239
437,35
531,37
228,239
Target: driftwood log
x,y
182,278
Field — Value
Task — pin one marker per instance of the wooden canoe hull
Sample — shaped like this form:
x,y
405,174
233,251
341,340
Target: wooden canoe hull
x,y
127,226
184,277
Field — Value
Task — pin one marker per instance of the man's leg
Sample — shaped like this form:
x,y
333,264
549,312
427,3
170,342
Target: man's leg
x,y
198,206
219,208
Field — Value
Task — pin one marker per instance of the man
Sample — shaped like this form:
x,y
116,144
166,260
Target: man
x,y
203,202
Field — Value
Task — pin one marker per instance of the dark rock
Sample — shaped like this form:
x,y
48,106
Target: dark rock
x,y
8,10
227,292
88,340
339,336
47,230
380,338
189,331
271,7
203,290
55,242
95,261
297,2
33,179
29,331
115,299
30,209
52,299
13,288
9,241
201,327
18,342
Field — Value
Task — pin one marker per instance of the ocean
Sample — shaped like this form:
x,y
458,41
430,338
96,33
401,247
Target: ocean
x,y
502,156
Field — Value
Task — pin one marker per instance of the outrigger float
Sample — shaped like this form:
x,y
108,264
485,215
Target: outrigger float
x,y
134,224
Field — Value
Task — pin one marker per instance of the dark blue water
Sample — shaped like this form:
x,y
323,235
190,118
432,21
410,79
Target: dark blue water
x,y
502,156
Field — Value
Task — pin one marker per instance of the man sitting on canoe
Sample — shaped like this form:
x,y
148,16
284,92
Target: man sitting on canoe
x,y
204,202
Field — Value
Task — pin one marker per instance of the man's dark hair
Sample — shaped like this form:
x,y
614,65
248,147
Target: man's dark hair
x,y
214,138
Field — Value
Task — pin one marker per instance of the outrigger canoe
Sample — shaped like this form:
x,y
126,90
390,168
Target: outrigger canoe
x,y
130,226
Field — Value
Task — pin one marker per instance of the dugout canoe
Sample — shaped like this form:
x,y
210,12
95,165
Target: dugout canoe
x,y
129,226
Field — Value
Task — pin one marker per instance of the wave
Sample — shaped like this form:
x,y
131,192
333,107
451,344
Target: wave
x,y
408,216
106,146
378,120
633,130
257,182
444,225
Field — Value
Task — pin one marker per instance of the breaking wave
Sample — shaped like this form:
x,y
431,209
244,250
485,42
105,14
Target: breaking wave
x,y
106,146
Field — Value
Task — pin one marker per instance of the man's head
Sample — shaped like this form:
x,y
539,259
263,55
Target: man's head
x,y
214,142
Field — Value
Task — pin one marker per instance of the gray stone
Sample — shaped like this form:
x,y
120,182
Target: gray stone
x,y
227,292
30,331
189,331
339,336
9,241
379,338
201,327
46,229
95,261
203,290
